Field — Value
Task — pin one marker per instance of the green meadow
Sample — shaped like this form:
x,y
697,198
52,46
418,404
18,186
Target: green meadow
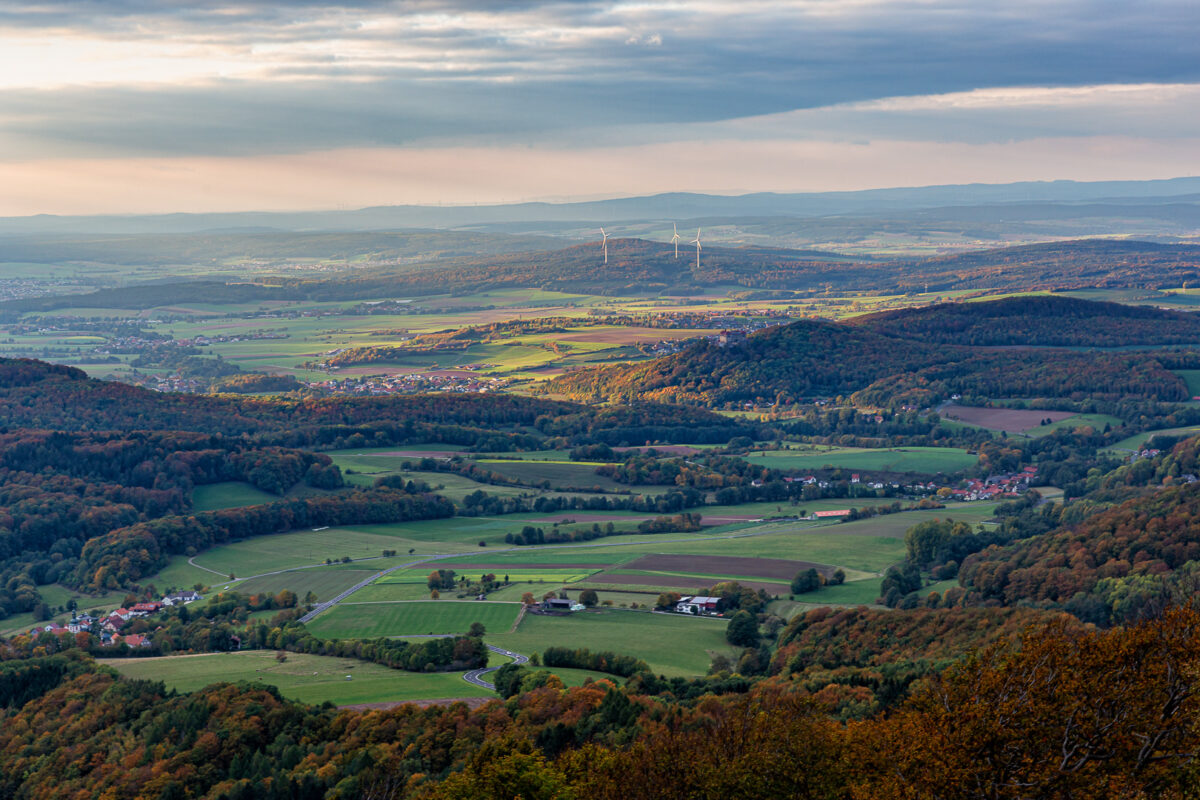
x,y
923,460
351,620
230,494
308,678
670,644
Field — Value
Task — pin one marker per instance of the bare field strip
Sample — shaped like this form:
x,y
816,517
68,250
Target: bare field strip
x,y
1004,419
782,568
522,566
675,582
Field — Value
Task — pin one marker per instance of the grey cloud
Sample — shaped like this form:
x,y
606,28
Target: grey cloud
x,y
710,66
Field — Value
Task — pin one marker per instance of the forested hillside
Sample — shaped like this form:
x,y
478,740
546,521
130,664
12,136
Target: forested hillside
x,y
1122,702
1040,321
34,394
1079,264
809,359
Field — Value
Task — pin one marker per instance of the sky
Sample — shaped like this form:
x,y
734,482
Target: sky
x,y
120,106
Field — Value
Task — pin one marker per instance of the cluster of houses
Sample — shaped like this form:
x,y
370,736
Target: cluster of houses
x,y
108,627
995,486
414,383
169,383
990,488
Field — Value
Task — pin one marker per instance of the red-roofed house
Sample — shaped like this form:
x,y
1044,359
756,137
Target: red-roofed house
x,y
133,640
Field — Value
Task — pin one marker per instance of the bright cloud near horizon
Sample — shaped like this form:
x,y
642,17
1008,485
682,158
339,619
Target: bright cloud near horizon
x,y
117,106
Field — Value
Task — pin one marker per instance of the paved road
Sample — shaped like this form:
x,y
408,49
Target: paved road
x,y
317,609
475,676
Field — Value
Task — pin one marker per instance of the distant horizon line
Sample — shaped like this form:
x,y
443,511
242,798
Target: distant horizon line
x,y
572,200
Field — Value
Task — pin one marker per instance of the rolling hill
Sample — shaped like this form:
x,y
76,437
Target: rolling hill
x,y
807,359
1041,321
640,267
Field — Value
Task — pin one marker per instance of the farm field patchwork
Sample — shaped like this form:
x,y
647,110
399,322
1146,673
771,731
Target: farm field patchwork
x,y
308,678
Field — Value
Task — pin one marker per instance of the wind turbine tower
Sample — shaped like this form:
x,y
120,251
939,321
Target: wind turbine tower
x,y
696,242
604,244
675,238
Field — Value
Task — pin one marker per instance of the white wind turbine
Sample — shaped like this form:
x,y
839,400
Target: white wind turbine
x,y
675,238
696,242
604,244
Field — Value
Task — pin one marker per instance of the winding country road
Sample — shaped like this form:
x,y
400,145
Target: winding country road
x,y
475,676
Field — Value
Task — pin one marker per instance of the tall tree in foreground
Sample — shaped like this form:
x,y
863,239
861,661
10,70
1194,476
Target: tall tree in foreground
x,y
1069,715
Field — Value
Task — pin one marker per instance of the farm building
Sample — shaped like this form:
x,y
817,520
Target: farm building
x,y
556,604
699,605
843,512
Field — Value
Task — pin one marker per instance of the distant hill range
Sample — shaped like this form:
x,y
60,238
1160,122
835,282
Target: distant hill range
x,y
640,267
673,206
891,360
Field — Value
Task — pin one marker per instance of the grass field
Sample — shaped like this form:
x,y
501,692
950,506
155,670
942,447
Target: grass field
x,y
1097,421
324,583
557,474
1139,440
352,620
308,678
923,460
230,494
577,677
671,645
1192,378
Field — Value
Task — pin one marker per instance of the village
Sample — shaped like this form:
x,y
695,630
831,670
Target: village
x,y
108,627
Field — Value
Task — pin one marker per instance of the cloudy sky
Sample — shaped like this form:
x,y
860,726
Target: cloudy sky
x,y
165,105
